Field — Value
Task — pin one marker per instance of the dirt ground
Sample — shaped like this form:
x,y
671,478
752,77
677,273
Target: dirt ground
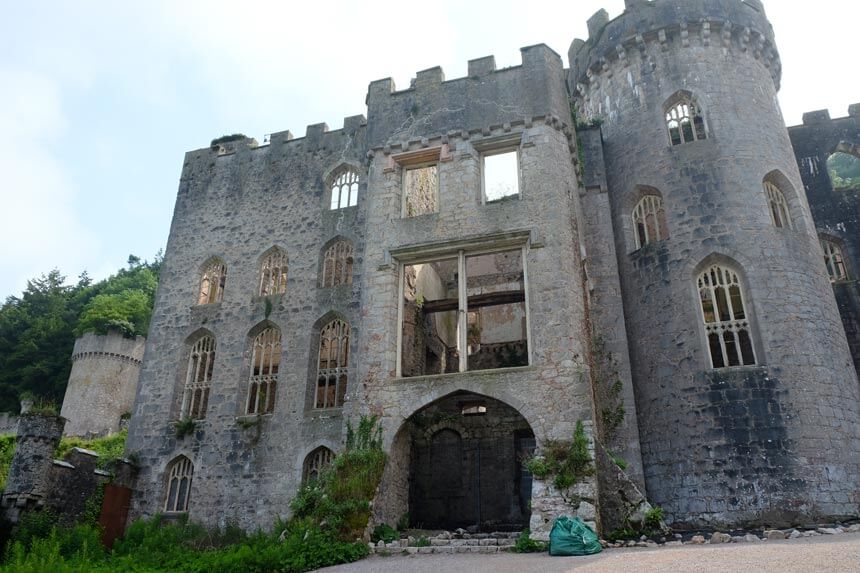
x,y
837,553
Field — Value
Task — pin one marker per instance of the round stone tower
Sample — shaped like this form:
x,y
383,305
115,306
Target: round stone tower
x,y
102,383
748,403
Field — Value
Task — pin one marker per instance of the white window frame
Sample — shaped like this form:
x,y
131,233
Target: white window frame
x,y
460,250
346,180
733,324
649,204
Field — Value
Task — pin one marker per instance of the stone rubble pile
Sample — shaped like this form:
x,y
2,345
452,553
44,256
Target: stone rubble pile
x,y
458,541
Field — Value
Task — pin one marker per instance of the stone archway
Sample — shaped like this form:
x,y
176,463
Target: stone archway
x,y
465,467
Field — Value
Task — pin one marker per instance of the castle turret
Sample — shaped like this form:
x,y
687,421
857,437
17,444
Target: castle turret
x,y
747,398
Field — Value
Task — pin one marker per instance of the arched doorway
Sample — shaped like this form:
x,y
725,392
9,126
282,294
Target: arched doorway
x,y
466,464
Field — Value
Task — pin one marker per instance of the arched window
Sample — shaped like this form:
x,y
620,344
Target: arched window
x,y
212,282
265,361
684,120
337,264
833,260
273,273
195,398
344,190
179,474
315,463
333,367
777,205
649,220
727,324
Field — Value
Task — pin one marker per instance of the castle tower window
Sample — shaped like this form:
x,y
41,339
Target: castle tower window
x,y
649,221
316,461
833,260
344,190
273,273
420,191
778,207
501,176
684,120
179,474
265,362
333,366
337,264
212,282
727,325
198,379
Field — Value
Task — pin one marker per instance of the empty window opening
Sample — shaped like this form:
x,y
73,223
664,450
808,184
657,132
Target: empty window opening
x,y
421,191
454,322
727,325
198,379
337,264
777,206
212,283
834,261
844,170
344,190
179,475
501,176
273,273
685,122
315,463
333,366
649,221
265,362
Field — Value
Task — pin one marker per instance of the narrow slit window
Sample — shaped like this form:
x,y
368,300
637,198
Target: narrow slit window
x,y
834,261
649,221
179,475
198,379
333,365
725,318
421,191
778,207
265,364
501,176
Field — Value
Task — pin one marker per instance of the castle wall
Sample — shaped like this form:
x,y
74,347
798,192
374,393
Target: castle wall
x,y
102,383
236,202
771,443
836,211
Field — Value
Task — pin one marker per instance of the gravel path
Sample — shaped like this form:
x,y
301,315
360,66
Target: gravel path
x,y
838,553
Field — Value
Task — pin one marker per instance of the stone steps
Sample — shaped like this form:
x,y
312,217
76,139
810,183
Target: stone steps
x,y
450,543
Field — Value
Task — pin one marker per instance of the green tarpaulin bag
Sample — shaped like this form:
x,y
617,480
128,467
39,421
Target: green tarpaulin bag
x,y
572,537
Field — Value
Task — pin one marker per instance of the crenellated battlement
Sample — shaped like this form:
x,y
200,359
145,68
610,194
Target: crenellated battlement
x,y
736,25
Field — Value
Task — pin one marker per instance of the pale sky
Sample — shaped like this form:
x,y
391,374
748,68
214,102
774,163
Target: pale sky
x,y
99,100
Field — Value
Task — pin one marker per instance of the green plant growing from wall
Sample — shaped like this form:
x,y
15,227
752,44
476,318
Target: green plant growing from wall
x,y
566,462
184,427
608,385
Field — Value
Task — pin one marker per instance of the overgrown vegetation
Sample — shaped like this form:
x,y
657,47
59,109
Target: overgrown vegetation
x,y
38,329
228,139
651,526
567,462
607,381
109,448
384,532
526,544
7,452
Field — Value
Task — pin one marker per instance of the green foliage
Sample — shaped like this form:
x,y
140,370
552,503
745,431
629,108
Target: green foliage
x,y
607,382
567,461
43,407
403,522
421,541
338,502
620,462
7,452
526,544
654,517
383,532
123,302
844,170
228,139
184,427
109,448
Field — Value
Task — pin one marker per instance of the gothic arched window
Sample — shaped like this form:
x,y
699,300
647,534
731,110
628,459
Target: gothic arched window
x,y
263,380
198,379
344,190
649,220
273,273
337,264
212,282
179,474
333,365
315,463
833,260
727,324
684,120
777,206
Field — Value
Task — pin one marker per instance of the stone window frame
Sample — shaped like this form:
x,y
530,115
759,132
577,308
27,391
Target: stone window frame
x,y
213,271
511,143
848,148
680,106
728,274
461,249
650,204
792,204
260,346
417,159
315,462
180,468
335,248
339,371
777,206
274,267
196,391
343,177
834,258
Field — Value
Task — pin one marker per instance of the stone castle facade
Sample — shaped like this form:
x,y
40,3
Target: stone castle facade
x,y
483,267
